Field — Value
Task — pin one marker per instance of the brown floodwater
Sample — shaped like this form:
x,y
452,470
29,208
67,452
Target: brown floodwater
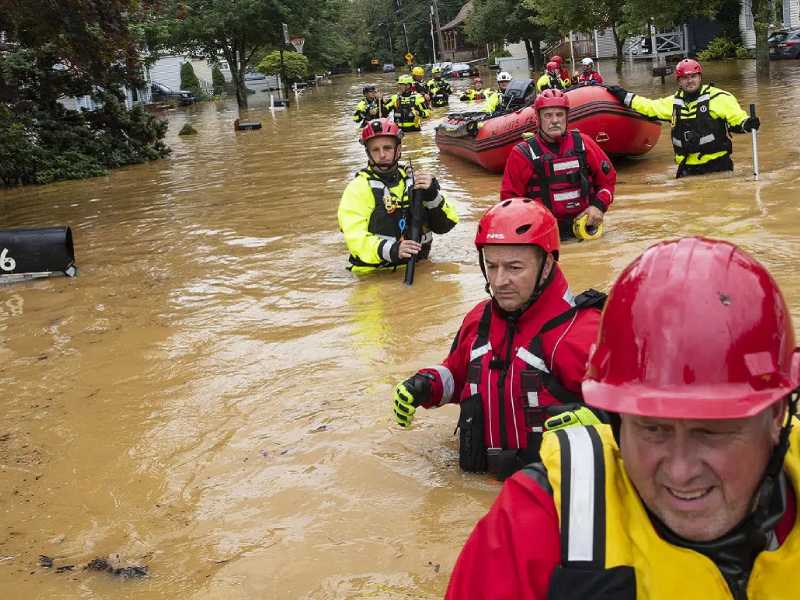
x,y
211,396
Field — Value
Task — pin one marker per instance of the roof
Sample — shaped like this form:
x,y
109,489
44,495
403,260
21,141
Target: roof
x,y
462,16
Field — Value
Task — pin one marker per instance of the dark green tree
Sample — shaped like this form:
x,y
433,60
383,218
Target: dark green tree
x,y
295,63
189,80
218,80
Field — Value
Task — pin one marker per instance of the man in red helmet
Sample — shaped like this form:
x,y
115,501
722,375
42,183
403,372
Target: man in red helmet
x,y
567,171
563,72
691,492
702,117
517,356
551,79
374,212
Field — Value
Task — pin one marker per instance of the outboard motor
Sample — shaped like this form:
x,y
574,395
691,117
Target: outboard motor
x,y
519,94
34,253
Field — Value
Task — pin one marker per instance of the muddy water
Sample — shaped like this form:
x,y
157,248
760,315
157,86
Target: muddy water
x,y
211,396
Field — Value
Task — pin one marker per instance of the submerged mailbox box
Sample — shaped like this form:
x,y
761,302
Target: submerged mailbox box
x,y
34,253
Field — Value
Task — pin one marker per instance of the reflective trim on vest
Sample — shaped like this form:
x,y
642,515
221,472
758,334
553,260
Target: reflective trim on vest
x,y
478,352
532,359
581,495
448,383
695,131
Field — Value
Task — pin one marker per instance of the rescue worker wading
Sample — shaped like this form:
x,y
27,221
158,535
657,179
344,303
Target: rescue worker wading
x,y
370,107
567,171
516,356
588,75
691,493
474,93
439,88
418,85
701,117
408,106
495,101
551,80
374,213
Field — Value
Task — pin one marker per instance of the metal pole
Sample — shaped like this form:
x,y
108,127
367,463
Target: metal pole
x,y
433,38
405,35
755,144
284,82
571,53
438,26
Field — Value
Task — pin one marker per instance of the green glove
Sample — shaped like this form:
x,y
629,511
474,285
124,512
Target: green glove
x,y
408,395
579,416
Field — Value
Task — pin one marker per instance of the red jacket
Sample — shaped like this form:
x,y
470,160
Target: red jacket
x,y
514,549
565,350
591,77
520,178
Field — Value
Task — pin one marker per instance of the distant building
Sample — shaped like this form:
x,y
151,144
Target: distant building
x,y
455,45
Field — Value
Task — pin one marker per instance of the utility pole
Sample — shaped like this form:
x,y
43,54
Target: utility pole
x,y
438,26
433,39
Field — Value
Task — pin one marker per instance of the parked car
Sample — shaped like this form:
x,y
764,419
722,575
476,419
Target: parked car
x,y
258,82
784,44
457,70
388,68
163,93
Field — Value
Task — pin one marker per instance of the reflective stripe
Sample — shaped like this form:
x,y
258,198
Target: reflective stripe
x,y
568,297
531,359
386,250
563,196
581,495
628,99
430,204
677,142
533,399
679,102
563,166
375,184
448,384
703,98
707,138
607,191
478,352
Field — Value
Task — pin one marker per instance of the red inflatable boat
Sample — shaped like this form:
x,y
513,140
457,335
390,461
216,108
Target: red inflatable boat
x,y
593,111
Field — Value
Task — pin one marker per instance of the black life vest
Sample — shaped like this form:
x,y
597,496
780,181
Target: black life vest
x,y
702,133
562,183
390,219
535,378
406,111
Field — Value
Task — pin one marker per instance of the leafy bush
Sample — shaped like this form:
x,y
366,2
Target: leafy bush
x,y
296,65
189,81
720,48
218,80
41,144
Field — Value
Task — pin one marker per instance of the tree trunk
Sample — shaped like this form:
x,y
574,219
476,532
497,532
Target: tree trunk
x,y
619,42
760,10
529,52
237,74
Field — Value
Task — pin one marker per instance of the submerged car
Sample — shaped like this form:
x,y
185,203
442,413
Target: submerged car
x,y
388,68
163,93
457,70
784,44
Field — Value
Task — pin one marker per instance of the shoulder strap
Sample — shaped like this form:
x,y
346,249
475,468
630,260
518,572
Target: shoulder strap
x,y
583,510
480,346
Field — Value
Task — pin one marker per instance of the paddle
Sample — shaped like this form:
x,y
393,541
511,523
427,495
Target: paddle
x,y
415,231
755,144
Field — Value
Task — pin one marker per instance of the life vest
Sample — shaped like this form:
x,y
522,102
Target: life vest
x,y
694,130
587,77
609,547
560,182
406,112
539,386
390,219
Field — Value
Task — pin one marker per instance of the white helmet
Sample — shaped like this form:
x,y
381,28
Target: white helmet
x,y
504,76
586,62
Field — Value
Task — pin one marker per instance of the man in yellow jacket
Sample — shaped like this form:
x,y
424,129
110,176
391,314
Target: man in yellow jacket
x,y
692,491
551,80
374,212
702,117
409,107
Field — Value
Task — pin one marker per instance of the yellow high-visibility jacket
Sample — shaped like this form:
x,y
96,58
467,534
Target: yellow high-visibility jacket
x,y
700,126
546,82
409,110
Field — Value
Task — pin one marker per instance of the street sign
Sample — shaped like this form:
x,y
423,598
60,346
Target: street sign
x,y
375,61
285,32
409,57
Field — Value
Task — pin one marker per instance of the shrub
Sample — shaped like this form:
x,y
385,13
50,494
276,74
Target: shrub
x,y
296,65
218,80
189,81
720,48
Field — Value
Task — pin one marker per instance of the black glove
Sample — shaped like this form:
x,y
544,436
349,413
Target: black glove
x,y
618,92
750,124
429,194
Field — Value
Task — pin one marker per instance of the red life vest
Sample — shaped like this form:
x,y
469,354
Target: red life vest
x,y
588,77
562,182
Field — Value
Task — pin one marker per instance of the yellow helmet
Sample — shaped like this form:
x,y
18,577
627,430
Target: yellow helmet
x,y
418,72
405,79
435,70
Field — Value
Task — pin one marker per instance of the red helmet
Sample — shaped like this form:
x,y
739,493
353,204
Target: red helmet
x,y
381,127
551,99
693,329
518,221
551,66
556,59
687,67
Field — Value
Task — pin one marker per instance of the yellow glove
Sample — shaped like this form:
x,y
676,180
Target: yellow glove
x,y
579,416
408,395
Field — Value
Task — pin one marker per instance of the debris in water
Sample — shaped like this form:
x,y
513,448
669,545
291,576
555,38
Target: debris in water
x,y
320,428
102,564
45,561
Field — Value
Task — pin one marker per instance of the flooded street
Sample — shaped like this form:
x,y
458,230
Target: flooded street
x,y
211,396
